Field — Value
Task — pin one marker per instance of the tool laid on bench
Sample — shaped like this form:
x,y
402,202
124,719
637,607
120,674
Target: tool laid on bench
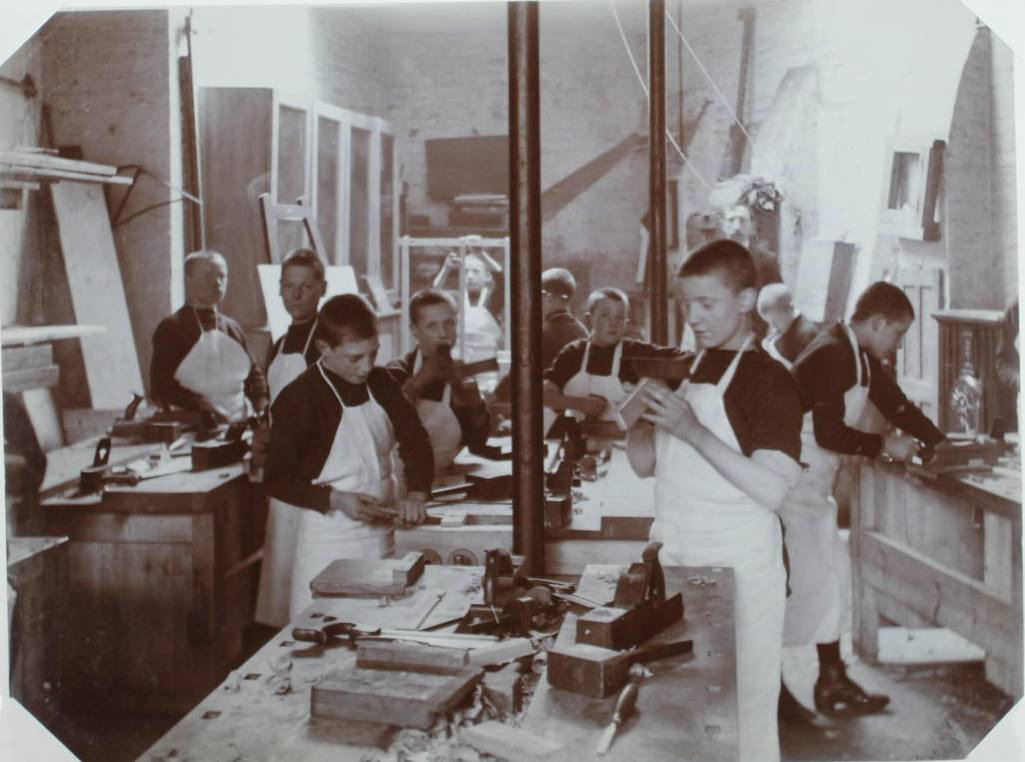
x,y
513,603
223,450
639,611
163,426
600,672
624,708
91,478
955,455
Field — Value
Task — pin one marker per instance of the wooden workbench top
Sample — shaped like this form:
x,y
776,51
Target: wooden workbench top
x,y
687,710
998,489
244,718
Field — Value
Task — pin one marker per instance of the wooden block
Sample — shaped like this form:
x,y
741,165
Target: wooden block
x,y
207,455
359,576
512,744
31,378
415,657
618,629
407,699
501,652
600,672
504,689
20,358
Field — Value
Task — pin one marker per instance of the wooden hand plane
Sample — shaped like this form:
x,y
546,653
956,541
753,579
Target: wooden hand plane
x,y
639,611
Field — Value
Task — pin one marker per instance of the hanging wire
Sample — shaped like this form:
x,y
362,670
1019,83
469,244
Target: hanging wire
x,y
626,44
686,161
711,81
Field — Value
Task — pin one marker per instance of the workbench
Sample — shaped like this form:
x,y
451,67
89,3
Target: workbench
x,y
162,580
687,710
940,552
244,719
37,569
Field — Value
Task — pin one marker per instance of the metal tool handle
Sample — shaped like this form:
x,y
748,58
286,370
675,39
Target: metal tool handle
x,y
102,454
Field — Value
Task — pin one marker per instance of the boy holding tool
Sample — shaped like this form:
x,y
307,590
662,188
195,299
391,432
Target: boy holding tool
x,y
450,408
332,436
724,449
838,373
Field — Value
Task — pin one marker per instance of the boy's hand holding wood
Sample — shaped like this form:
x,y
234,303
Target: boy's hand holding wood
x,y
411,510
900,447
672,413
359,507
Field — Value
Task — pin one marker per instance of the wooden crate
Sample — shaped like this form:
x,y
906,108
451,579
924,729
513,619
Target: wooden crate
x,y
940,553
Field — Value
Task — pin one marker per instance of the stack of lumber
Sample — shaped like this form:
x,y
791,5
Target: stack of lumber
x,y
35,164
481,211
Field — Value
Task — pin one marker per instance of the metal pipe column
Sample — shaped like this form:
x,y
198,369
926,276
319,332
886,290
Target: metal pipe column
x,y
657,170
525,234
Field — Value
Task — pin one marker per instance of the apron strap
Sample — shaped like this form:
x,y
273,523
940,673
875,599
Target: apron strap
x,y
331,386
418,363
617,356
864,372
731,371
313,330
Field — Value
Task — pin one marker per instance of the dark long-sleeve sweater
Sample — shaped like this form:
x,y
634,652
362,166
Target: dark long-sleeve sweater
x,y
474,421
175,337
825,371
306,415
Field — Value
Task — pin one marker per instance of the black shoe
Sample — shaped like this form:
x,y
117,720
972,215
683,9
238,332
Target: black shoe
x,y
790,710
838,695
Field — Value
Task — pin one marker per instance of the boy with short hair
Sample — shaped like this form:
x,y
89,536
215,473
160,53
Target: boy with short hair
x,y
450,408
724,449
333,432
837,374
588,375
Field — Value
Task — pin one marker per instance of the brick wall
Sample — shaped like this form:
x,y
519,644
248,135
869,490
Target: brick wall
x,y
1004,185
107,79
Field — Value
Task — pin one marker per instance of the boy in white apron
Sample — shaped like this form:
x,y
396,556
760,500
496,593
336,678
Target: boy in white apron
x,y
302,286
332,435
838,373
483,332
591,375
450,409
724,450
789,330
200,358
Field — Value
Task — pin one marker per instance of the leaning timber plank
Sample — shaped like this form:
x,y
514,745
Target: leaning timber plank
x,y
513,744
19,335
97,293
31,378
943,596
55,162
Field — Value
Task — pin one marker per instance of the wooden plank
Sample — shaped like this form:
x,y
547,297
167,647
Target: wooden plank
x,y
31,378
20,358
513,744
60,175
82,526
998,571
18,335
943,596
97,293
55,162
42,411
572,556
354,576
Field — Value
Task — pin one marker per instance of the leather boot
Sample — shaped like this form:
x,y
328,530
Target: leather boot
x,y
791,711
836,694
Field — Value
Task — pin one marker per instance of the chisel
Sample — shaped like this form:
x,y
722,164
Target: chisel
x,y
624,708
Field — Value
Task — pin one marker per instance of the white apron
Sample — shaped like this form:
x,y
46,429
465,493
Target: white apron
x,y
216,368
584,384
482,332
820,567
704,520
441,423
282,518
359,461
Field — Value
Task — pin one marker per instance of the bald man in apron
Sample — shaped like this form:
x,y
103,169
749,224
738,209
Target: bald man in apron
x,y
302,286
724,451
451,409
838,373
200,358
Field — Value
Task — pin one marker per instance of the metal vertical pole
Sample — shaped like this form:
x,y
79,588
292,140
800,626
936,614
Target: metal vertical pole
x,y
657,170
525,274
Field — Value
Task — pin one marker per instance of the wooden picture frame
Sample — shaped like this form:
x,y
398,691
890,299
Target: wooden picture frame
x,y
912,185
